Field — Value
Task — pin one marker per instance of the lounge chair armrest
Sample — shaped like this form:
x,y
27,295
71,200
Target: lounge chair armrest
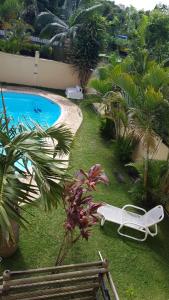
x,y
133,206
132,223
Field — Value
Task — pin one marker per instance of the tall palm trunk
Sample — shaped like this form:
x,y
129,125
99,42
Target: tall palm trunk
x,y
146,167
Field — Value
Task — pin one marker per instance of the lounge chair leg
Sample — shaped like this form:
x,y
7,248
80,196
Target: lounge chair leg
x,y
155,231
132,237
102,221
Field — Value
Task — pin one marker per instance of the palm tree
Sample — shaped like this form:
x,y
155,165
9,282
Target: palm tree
x,y
30,169
143,94
143,99
110,96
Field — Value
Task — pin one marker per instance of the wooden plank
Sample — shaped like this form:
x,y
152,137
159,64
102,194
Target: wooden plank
x,y
58,268
57,276
112,285
85,298
87,292
58,290
92,278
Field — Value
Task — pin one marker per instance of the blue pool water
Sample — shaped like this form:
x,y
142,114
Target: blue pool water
x,y
24,108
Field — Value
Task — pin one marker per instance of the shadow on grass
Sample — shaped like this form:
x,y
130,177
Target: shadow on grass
x,y
10,262
110,230
160,244
157,245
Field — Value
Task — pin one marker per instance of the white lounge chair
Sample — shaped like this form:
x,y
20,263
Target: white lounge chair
x,y
74,92
142,222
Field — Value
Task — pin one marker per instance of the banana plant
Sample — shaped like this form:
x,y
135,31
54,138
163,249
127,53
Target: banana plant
x,y
55,28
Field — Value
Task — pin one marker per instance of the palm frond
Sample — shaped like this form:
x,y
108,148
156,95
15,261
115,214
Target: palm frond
x,y
126,83
83,13
52,28
156,77
45,18
29,169
101,86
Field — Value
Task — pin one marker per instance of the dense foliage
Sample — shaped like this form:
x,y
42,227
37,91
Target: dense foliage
x,y
135,94
90,41
100,22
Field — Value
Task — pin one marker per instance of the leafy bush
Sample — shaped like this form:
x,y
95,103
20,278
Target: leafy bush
x,y
107,128
101,86
9,46
155,192
132,172
124,147
2,45
46,52
161,121
29,49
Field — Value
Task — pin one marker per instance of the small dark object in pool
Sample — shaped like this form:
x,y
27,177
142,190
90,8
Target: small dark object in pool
x,y
37,110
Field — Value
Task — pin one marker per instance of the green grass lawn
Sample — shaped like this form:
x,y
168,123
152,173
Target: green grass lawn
x,y
140,270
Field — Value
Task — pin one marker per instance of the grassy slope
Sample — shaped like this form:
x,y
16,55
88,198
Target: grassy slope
x,y
140,270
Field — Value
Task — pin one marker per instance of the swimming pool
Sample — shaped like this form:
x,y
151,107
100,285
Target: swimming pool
x,y
24,107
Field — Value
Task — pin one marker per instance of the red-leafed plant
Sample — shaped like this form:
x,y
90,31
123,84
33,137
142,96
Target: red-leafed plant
x,y
79,207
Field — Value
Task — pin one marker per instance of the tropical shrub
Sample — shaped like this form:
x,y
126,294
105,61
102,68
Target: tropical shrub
x,y
2,45
157,34
124,148
107,128
143,94
29,49
161,122
89,42
154,193
46,52
9,10
9,46
79,207
18,34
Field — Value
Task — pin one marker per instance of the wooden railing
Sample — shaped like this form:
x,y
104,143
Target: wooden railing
x,y
79,281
